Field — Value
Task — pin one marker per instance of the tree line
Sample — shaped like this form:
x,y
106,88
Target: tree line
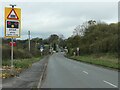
x,y
94,37
90,37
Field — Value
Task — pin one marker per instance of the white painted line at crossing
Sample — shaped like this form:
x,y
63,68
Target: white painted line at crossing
x,y
110,83
85,72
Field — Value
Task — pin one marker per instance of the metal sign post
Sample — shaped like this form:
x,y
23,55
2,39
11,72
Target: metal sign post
x,y
12,48
12,53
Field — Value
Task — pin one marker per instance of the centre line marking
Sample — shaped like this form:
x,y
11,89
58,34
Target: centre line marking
x,y
85,72
109,83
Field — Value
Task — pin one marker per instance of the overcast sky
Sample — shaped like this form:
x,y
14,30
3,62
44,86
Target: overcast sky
x,y
46,18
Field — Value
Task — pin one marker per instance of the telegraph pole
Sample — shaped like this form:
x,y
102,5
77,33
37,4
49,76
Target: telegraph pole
x,y
29,40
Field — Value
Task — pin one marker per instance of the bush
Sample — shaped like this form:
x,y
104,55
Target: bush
x,y
21,54
6,53
18,53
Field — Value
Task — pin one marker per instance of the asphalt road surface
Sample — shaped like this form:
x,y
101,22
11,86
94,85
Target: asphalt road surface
x,y
67,73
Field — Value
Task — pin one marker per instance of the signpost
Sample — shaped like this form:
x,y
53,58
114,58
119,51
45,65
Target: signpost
x,y
12,26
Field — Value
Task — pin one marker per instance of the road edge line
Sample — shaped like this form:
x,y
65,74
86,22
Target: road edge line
x,y
42,75
110,83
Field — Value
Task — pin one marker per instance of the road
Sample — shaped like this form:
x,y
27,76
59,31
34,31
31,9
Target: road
x,y
64,73
67,73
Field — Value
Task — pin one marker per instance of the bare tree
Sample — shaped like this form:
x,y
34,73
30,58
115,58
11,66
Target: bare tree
x,y
80,29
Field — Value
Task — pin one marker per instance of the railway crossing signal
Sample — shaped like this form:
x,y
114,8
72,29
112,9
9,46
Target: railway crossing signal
x,y
12,22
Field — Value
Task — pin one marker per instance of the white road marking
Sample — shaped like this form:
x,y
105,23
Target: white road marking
x,y
39,84
85,72
109,83
41,77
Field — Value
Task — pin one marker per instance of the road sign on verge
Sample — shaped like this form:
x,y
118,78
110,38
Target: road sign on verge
x,y
41,49
12,22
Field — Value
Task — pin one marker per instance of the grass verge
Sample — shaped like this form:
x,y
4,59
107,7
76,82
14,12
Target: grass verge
x,y
19,66
21,63
104,60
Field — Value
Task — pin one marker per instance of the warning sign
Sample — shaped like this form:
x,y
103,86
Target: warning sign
x,y
12,22
12,15
12,28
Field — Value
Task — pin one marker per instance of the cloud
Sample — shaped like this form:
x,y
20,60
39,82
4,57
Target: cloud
x,y
45,18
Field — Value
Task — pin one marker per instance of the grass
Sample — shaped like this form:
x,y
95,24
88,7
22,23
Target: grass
x,y
110,61
21,63
19,66
22,60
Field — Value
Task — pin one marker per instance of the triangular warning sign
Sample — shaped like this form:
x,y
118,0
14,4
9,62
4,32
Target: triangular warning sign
x,y
12,15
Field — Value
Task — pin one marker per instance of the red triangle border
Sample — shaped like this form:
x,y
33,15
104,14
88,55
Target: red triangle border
x,y
15,14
